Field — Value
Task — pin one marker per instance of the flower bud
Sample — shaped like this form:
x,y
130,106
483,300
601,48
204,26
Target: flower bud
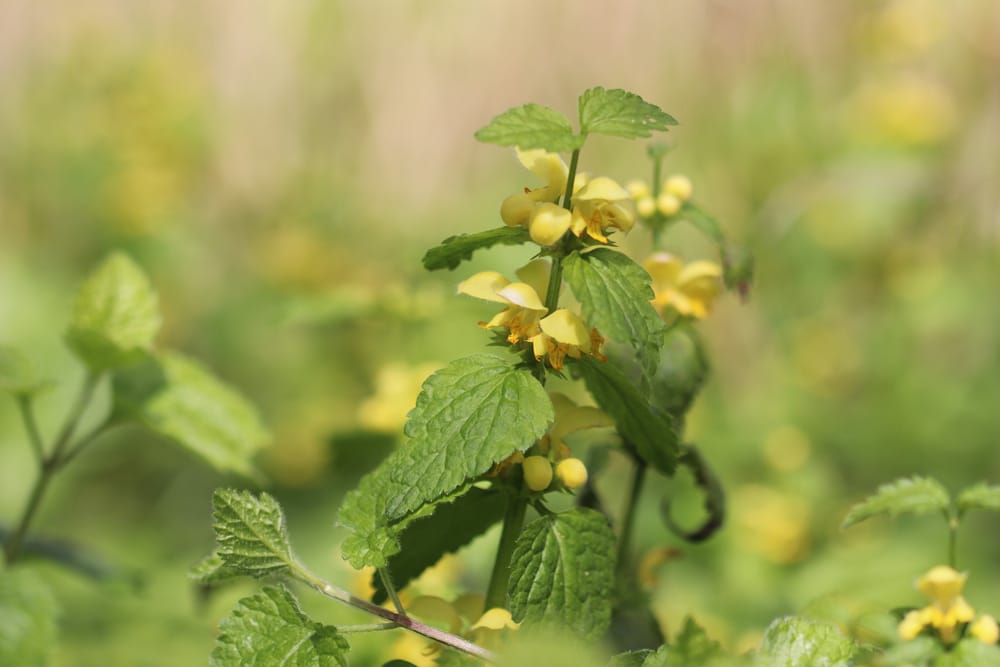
x,y
537,473
679,186
572,473
646,207
516,209
548,223
638,189
668,204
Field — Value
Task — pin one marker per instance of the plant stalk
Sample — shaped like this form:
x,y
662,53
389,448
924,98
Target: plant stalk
x,y
628,521
513,520
26,408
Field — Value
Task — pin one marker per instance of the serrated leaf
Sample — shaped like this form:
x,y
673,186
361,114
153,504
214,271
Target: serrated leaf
x,y
531,126
914,495
981,496
799,642
650,430
27,619
115,316
619,113
178,398
562,573
270,629
251,536
470,415
615,294
451,526
455,249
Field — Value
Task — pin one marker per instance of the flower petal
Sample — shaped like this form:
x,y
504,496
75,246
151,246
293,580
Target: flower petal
x,y
547,166
484,285
601,187
523,295
566,327
548,223
536,273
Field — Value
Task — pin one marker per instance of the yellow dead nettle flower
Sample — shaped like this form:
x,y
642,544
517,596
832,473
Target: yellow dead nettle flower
x,y
548,223
679,186
690,289
492,627
516,209
524,308
564,333
985,629
948,609
569,418
600,205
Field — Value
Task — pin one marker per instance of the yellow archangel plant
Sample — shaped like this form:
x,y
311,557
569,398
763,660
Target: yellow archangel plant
x,y
948,611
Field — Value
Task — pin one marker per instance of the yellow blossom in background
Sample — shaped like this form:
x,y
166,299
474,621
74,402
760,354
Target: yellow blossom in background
x,y
396,388
549,167
689,289
679,186
985,629
772,523
907,109
948,609
600,205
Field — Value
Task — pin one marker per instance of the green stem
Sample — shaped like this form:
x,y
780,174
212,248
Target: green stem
x,y
953,541
390,589
400,620
513,520
628,521
84,442
570,180
48,466
24,404
366,627
555,283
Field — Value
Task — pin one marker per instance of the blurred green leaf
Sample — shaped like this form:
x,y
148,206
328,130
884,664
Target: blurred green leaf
x,y
708,225
531,126
645,427
270,629
916,495
915,652
737,268
691,648
178,398
563,571
630,658
251,536
799,642
470,415
615,295
17,374
451,526
970,653
619,113
27,619
550,650
714,503
115,316
682,371
981,496
455,249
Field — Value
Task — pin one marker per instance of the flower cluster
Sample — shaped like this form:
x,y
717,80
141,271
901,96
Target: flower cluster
x,y
667,201
599,204
948,614
690,289
554,335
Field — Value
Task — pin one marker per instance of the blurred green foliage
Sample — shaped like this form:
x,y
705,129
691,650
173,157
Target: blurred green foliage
x,y
280,170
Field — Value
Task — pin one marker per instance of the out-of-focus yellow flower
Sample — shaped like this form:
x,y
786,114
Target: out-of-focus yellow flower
x,y
549,167
396,388
689,289
489,631
772,523
637,189
668,204
572,473
560,334
909,109
948,609
600,205
985,629
679,186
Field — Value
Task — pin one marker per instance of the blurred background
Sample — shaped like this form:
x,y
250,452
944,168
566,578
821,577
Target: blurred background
x,y
280,168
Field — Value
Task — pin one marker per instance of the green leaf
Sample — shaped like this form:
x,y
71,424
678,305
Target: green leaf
x,y
251,535
630,658
456,249
681,373
615,294
620,113
647,428
451,526
708,225
270,629
115,317
799,642
562,573
981,496
178,398
691,648
915,652
970,653
531,126
17,374
470,415
916,495
28,614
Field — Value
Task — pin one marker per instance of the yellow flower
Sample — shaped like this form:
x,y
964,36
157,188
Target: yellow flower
x,y
516,209
599,205
679,186
558,335
948,609
572,473
548,223
569,418
690,289
985,629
